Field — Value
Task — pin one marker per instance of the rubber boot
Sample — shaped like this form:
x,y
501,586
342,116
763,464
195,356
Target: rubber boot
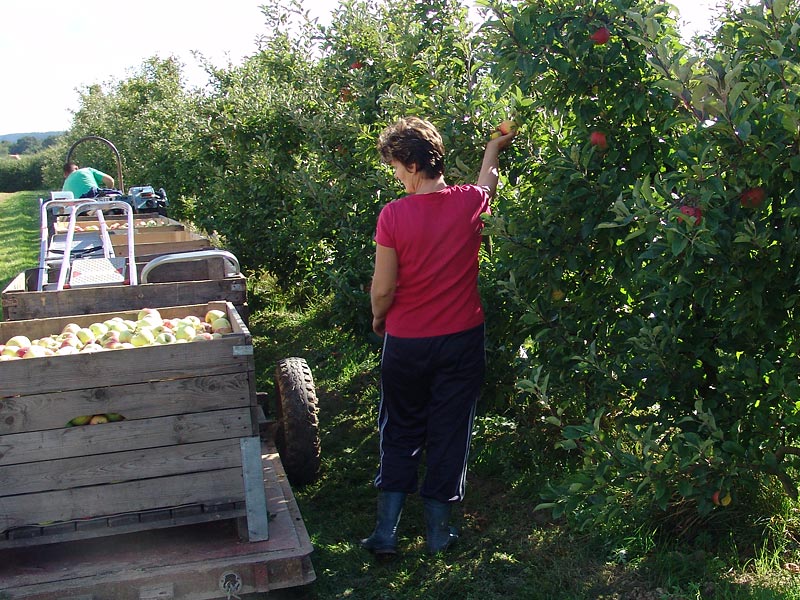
x,y
439,534
383,541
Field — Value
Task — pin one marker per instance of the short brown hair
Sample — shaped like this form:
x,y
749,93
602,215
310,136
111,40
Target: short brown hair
x,y
413,142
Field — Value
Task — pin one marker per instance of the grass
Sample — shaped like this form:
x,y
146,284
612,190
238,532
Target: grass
x,y
506,550
19,234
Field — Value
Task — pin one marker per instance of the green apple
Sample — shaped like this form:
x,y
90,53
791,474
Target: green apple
x,y
91,347
165,337
193,320
221,325
145,312
143,337
185,332
125,335
20,341
86,335
215,314
116,325
9,350
99,329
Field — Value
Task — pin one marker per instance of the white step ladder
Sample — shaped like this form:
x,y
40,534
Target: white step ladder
x,y
106,269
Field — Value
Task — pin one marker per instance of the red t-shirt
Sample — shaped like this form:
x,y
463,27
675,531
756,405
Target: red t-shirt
x,y
437,237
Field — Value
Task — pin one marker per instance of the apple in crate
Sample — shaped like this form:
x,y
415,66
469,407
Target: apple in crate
x,y
36,352
165,337
185,331
221,325
99,329
71,328
215,314
143,337
20,341
86,335
148,312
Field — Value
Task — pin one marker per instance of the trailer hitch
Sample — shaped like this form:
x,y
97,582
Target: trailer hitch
x,y
231,584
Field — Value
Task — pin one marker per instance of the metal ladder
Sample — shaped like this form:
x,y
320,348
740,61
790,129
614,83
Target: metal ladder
x,y
86,271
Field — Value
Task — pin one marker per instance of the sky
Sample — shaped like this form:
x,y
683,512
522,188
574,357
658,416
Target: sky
x,y
52,48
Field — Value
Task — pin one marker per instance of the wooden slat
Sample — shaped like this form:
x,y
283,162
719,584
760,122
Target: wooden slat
x,y
21,448
152,235
124,366
25,305
116,467
103,569
224,485
134,401
41,327
163,247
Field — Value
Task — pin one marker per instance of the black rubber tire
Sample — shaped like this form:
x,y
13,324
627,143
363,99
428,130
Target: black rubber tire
x,y
297,432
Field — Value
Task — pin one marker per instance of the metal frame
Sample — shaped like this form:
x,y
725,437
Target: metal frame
x,y
74,207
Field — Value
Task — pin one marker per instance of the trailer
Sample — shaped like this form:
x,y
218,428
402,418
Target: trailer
x,y
183,488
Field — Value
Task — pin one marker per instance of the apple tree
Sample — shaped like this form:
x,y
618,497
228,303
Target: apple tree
x,y
295,181
649,250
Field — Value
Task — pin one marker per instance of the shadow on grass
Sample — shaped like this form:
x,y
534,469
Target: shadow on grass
x,y
505,551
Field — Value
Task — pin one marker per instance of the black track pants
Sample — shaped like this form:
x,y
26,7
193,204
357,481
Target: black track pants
x,y
429,390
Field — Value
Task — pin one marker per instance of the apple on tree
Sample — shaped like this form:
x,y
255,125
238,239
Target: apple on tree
x,y
753,197
598,139
691,211
504,128
600,36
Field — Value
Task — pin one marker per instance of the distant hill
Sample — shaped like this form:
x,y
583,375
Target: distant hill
x,y
40,135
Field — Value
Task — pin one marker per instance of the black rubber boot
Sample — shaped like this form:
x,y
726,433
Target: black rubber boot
x,y
383,541
439,534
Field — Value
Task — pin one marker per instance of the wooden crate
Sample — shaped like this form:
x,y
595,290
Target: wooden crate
x,y
187,408
174,284
157,223
152,235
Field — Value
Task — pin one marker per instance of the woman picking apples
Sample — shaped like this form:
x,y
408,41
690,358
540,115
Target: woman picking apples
x,y
426,306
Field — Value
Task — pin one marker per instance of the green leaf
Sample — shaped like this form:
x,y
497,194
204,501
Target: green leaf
x,y
779,8
571,432
679,244
686,489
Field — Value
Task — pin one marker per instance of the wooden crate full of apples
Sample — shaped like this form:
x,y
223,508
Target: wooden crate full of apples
x,y
115,422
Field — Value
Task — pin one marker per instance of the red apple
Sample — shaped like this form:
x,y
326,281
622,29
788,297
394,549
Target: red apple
x,y
598,138
753,197
715,498
601,36
692,211
356,64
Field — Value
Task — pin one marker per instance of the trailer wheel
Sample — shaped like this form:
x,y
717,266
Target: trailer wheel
x,y
297,432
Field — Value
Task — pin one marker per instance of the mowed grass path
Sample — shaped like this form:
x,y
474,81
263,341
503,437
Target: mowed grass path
x,y
19,233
